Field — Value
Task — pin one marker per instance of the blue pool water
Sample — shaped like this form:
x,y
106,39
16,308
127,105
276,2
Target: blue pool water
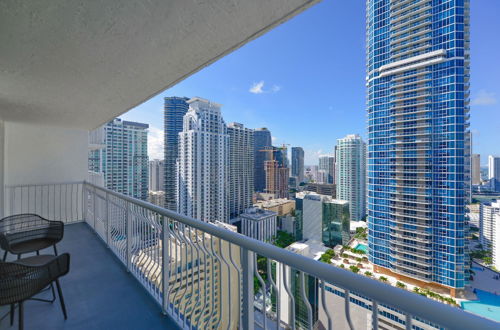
x,y
477,268
361,247
488,305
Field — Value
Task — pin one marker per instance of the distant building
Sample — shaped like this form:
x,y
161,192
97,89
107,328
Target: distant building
x,y
351,174
277,172
496,242
476,169
157,175
487,226
327,165
174,110
125,158
322,189
322,218
259,224
241,168
494,167
262,141
298,164
157,198
311,173
282,206
203,163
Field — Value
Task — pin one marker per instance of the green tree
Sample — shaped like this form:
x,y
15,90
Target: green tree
x,y
400,285
354,269
383,279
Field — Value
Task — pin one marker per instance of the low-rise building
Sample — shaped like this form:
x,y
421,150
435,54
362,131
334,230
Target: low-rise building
x,y
282,206
322,188
259,224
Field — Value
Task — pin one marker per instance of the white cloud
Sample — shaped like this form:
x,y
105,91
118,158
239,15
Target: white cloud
x,y
484,97
258,88
155,143
274,138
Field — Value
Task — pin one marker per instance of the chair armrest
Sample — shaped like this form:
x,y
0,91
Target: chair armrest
x,y
56,229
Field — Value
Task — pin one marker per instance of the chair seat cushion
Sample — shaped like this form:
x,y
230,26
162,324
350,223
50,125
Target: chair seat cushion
x,y
32,245
36,260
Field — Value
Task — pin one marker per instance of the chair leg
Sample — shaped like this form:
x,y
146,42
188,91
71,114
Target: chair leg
x,y
12,313
21,316
37,252
61,299
55,249
18,256
5,256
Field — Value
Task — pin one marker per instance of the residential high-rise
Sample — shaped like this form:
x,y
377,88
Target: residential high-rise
x,y
298,164
156,175
417,79
476,169
174,110
203,163
276,178
241,168
262,141
327,164
487,222
494,167
351,174
125,158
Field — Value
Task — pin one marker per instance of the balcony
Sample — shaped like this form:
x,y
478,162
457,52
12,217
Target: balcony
x,y
161,269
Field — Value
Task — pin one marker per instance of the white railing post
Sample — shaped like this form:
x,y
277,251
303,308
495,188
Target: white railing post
x,y
94,216
84,201
247,265
128,223
108,232
165,258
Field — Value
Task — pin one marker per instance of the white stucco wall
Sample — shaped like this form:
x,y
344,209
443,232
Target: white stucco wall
x,y
36,154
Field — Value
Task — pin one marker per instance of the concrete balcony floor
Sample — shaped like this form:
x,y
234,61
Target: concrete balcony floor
x,y
98,291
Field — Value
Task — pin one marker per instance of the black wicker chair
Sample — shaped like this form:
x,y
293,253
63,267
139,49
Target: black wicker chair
x,y
25,233
22,279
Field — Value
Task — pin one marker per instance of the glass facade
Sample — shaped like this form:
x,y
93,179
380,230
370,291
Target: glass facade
x,y
262,141
174,110
418,104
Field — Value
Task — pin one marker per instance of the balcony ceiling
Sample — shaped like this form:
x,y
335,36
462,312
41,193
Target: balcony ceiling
x,y
81,63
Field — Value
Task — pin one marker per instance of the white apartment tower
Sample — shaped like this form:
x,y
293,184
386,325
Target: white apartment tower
x,y
241,168
487,222
351,174
156,175
202,166
494,167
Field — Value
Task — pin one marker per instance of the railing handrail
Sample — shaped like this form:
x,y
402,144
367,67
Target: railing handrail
x,y
405,301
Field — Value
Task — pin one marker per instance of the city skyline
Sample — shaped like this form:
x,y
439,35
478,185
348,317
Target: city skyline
x,y
338,101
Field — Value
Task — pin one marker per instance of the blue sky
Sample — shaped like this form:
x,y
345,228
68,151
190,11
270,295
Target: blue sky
x,y
304,80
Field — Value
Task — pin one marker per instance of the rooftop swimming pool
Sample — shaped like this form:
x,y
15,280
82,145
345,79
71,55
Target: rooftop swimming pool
x,y
362,247
488,305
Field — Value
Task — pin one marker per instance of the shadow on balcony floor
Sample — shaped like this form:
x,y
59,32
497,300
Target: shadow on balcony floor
x,y
98,291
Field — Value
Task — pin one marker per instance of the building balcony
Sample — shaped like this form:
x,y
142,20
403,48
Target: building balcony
x,y
164,270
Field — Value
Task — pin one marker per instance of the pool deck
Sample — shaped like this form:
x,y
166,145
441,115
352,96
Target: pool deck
x,y
98,291
484,280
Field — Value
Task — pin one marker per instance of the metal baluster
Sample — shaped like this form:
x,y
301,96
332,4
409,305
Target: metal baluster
x,y
408,321
248,295
290,295
108,232
374,315
128,224
263,291
347,309
325,307
277,293
306,301
165,263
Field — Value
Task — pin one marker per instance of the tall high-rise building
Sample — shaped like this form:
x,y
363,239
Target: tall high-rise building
x,y
125,158
494,167
298,164
156,175
351,174
417,79
174,110
262,141
327,164
476,169
203,163
241,168
487,222
277,172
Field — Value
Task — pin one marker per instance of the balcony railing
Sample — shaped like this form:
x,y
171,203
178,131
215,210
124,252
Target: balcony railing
x,y
202,275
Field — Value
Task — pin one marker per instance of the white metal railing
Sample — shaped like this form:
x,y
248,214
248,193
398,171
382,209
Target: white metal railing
x,y
203,276
96,178
54,201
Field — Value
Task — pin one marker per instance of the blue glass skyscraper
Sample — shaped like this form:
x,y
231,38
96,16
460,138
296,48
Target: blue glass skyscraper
x,y
417,100
262,141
